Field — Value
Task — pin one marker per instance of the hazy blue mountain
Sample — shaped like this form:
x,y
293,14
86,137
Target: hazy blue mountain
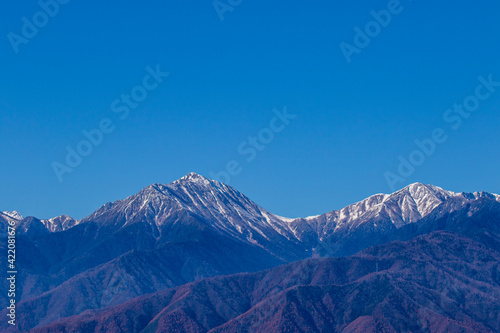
x,y
439,282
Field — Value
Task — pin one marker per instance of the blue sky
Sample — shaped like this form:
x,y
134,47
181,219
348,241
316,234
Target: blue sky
x,y
353,120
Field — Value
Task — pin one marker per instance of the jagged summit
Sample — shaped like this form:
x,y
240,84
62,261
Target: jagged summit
x,y
196,228
13,214
417,189
192,176
226,210
194,206
407,205
192,181
216,205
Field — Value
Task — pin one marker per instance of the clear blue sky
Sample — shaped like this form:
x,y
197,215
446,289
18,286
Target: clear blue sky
x,y
353,119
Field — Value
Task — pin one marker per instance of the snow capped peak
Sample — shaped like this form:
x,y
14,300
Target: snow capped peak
x,y
193,177
59,223
408,205
222,208
417,188
418,184
197,184
14,214
217,206
482,194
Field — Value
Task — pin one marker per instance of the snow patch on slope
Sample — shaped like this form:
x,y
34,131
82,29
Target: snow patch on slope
x,y
14,214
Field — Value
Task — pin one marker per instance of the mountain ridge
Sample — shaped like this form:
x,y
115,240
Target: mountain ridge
x,y
414,190
195,228
401,286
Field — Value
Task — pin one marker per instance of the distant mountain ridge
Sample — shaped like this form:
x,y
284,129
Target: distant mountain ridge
x,y
195,228
226,211
421,285
221,204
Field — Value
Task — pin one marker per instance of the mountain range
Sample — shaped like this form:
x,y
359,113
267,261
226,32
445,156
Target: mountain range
x,y
196,255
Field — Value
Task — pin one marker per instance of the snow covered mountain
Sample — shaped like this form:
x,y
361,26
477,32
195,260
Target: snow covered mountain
x,y
13,215
214,205
55,224
194,228
405,206
222,209
378,215
59,223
